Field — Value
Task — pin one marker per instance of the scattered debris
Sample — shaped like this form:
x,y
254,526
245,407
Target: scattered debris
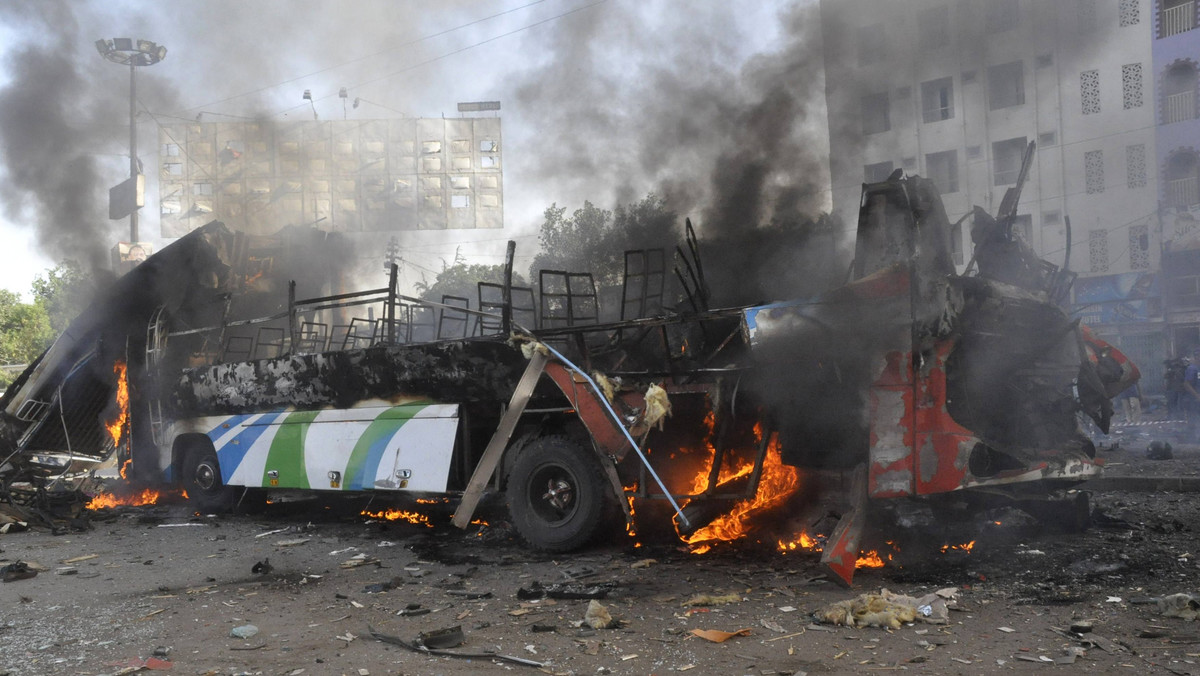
x,y
361,560
712,599
449,637
562,591
644,563
416,647
244,631
889,610
1159,450
773,626
294,542
17,570
718,636
262,567
597,616
1183,606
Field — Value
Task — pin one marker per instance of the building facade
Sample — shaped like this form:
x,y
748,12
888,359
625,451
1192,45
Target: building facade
x,y
1176,52
350,176
955,89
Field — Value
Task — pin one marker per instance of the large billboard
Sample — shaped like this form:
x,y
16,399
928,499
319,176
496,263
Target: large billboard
x,y
342,175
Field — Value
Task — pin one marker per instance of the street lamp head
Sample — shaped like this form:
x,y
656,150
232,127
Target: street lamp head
x,y
129,52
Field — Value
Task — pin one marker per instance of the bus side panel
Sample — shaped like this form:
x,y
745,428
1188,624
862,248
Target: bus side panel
x,y
419,455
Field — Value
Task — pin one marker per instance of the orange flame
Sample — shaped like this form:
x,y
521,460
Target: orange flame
x,y
399,515
965,547
777,483
102,500
869,559
116,426
804,542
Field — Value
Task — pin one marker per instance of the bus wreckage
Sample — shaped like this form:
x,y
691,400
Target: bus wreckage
x,y
907,382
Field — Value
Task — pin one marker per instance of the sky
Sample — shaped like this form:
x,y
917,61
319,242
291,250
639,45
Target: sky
x,y
717,107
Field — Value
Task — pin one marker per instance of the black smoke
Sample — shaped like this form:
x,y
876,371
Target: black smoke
x,y
738,145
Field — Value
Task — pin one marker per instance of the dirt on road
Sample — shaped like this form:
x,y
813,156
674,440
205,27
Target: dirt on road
x,y
306,583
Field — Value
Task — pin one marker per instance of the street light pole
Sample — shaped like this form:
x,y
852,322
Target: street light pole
x,y
133,53
133,163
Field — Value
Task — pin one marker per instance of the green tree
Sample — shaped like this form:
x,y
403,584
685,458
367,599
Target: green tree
x,y
461,279
27,329
64,292
24,334
594,240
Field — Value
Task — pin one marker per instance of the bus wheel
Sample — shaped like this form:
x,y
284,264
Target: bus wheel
x,y
557,494
202,481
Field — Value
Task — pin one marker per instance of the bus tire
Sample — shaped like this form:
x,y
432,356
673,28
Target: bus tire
x,y
557,494
202,480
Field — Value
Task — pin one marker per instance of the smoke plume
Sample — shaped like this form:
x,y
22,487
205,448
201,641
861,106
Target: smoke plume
x,y
50,113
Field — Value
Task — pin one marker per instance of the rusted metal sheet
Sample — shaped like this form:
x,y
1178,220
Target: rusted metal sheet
x,y
605,432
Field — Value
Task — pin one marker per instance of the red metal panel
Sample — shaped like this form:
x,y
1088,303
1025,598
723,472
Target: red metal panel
x,y
605,432
890,473
942,446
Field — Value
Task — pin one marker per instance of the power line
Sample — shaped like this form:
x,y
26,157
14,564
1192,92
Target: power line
x,y
363,58
454,52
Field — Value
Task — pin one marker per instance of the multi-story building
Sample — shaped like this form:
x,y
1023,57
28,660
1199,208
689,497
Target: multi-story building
x,y
1176,58
955,89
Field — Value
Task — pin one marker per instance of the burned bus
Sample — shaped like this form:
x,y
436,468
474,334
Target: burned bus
x,y
910,380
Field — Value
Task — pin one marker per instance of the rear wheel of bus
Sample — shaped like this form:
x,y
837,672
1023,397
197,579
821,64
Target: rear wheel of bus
x,y
557,494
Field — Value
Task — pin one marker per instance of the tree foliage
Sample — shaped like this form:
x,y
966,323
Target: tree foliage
x,y
64,292
461,279
27,329
594,240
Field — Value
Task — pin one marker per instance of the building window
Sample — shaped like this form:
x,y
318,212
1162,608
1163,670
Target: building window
x,y
1001,15
1051,218
202,188
1175,17
1098,250
1093,171
872,45
1139,247
875,118
934,24
937,99
1089,91
460,201
943,170
1135,165
1179,92
1006,160
1130,13
1047,139
1131,85
1183,179
1006,85
878,172
170,149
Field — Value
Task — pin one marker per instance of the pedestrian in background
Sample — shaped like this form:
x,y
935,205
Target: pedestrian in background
x,y
1191,388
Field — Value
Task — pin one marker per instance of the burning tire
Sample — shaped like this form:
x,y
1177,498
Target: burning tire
x,y
201,479
557,494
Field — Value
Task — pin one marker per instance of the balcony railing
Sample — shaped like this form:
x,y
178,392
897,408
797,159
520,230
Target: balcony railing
x,y
1179,107
1177,19
1184,193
